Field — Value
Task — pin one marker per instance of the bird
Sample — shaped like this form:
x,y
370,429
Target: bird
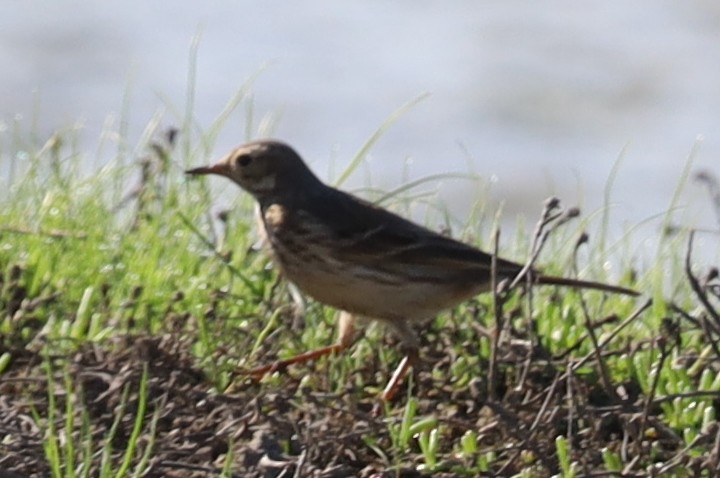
x,y
360,258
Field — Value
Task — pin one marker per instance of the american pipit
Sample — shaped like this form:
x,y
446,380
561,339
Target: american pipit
x,y
357,257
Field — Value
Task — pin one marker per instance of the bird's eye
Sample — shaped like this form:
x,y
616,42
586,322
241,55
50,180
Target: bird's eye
x,y
243,160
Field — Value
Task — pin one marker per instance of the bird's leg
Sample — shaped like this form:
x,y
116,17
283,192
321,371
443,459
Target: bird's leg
x,y
399,375
346,334
411,344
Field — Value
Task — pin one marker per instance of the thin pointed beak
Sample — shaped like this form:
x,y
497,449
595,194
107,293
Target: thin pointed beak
x,y
219,169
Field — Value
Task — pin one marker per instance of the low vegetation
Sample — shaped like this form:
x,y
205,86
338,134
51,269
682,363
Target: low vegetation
x,y
130,306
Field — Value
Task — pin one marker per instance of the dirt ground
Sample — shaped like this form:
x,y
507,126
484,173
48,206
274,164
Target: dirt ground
x,y
284,431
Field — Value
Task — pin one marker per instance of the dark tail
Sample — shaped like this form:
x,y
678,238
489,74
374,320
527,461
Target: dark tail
x,y
585,284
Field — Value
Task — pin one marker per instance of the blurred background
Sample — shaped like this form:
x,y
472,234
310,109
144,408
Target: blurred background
x,y
538,98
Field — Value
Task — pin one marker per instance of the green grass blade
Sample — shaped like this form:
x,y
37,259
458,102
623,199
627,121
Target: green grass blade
x,y
360,156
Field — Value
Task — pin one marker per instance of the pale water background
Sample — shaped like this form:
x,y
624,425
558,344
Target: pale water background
x,y
538,98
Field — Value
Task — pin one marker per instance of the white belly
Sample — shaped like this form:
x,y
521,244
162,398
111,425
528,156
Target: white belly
x,y
372,294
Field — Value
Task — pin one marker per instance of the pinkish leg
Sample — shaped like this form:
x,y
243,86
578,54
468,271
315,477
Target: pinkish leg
x,y
346,332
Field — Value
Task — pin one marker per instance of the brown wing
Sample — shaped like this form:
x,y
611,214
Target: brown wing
x,y
373,237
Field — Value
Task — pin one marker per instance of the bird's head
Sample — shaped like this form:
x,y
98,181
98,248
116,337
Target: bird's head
x,y
265,169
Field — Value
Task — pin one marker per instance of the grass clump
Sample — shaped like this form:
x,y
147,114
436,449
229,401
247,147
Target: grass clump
x,y
129,305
